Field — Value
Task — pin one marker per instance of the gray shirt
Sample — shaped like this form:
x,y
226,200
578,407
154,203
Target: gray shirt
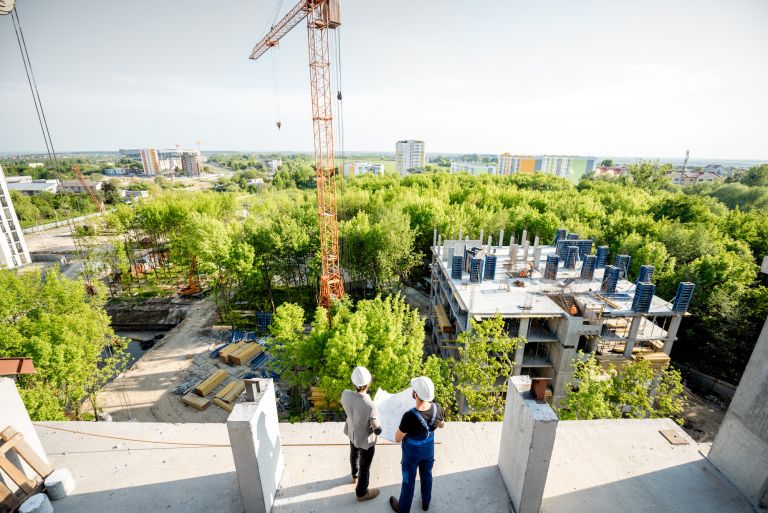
x,y
362,419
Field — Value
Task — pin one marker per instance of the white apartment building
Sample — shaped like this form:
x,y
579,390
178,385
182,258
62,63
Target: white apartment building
x,y
13,247
409,155
473,168
352,169
162,162
272,165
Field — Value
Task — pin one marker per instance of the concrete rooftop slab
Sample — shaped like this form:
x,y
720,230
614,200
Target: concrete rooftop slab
x,y
614,465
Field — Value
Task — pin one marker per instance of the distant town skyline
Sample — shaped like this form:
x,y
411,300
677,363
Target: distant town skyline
x,y
595,77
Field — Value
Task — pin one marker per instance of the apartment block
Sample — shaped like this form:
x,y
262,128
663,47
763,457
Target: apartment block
x,y
13,247
352,169
409,155
473,168
560,297
572,167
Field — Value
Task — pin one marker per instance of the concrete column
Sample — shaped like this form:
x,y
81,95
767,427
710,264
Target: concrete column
x,y
536,256
632,337
519,351
740,450
14,414
674,325
513,253
527,439
501,238
256,448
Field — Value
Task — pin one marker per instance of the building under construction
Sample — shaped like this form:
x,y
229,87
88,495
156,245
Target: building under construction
x,y
561,298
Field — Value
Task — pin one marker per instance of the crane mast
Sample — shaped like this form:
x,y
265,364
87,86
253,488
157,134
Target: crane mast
x,y
321,16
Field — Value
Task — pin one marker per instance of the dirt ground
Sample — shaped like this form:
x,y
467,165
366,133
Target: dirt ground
x,y
417,299
144,393
702,417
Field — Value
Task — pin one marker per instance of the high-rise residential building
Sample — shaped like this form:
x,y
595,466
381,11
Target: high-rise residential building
x,y
409,155
565,166
13,247
473,168
190,163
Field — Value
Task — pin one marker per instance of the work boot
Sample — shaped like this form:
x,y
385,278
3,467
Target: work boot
x,y
372,493
395,504
425,506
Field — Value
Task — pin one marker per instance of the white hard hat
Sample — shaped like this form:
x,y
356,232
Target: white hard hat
x,y
361,377
424,388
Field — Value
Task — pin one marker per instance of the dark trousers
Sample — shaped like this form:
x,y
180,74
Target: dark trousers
x,y
417,456
365,457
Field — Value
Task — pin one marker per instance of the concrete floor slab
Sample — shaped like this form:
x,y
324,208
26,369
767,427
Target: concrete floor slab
x,y
614,465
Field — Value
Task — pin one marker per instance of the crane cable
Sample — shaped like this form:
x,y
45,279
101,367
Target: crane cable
x,y
275,79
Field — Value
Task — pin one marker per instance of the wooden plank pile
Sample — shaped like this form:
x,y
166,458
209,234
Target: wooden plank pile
x,y
658,360
231,348
317,396
245,354
225,398
195,401
442,319
208,385
13,442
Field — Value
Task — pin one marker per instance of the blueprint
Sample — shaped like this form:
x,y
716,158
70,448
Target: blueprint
x,y
391,409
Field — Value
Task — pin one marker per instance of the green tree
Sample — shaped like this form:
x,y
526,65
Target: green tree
x,y
756,176
606,163
649,175
486,359
67,334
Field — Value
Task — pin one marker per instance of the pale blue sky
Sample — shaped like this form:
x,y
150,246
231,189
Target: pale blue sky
x,y
602,77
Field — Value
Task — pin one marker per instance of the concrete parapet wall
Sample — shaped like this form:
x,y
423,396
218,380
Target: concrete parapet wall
x,y
527,440
740,449
254,435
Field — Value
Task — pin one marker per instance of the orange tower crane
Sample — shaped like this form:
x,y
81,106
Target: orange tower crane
x,y
92,195
321,16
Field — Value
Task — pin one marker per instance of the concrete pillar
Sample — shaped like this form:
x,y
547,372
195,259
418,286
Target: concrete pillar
x,y
740,450
674,325
632,337
256,448
501,238
14,414
525,250
536,256
522,332
513,253
525,236
536,241
527,439
482,236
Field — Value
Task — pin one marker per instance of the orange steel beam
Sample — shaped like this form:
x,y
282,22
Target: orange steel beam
x,y
322,16
98,204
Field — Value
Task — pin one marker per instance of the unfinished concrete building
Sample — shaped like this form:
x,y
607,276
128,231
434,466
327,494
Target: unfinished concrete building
x,y
560,297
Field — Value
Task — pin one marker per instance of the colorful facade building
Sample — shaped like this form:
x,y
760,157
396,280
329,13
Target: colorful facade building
x,y
565,166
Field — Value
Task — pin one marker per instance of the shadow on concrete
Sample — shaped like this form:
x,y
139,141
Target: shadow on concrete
x,y
696,487
477,490
216,492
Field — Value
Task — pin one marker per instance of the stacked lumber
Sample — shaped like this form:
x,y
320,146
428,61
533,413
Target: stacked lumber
x,y
658,360
245,354
214,380
225,398
195,401
231,348
442,319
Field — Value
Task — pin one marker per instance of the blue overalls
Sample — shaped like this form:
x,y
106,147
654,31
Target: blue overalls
x,y
418,453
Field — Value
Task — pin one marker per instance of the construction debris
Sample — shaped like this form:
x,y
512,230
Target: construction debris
x,y
13,442
59,484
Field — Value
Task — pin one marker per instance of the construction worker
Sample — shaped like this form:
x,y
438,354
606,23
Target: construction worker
x,y
362,428
417,434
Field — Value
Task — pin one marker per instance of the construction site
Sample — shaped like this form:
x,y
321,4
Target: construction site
x,y
559,298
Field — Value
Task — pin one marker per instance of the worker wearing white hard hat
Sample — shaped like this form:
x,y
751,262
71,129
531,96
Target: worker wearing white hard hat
x,y
417,434
362,427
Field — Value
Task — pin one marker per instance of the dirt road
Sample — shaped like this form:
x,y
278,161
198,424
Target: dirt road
x,y
145,392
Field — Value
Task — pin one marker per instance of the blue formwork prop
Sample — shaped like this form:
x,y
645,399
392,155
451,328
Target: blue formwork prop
x,y
550,269
560,248
571,256
645,275
263,321
490,267
457,267
585,247
644,292
476,268
259,360
573,236
560,235
588,267
622,262
683,297
602,257
610,279
215,352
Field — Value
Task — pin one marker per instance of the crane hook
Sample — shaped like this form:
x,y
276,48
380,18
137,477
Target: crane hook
x,y
279,124
338,95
